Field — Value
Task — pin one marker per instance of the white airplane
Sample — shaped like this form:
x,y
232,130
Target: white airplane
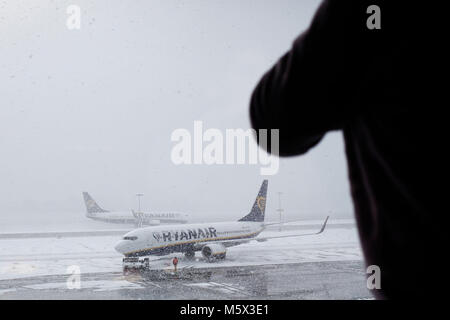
x,y
212,239
95,212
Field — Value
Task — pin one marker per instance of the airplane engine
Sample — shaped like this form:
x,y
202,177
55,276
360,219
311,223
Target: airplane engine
x,y
154,222
214,251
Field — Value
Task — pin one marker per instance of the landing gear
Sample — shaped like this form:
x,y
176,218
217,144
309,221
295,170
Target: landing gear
x,y
221,256
131,271
216,257
189,254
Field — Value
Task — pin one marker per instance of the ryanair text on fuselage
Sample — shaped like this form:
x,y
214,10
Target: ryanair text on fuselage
x,y
188,234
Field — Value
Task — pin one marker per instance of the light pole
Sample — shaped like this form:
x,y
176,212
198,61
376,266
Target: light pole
x,y
140,215
280,210
139,195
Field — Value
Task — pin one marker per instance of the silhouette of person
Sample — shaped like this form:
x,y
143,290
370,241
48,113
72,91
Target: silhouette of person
x,y
379,87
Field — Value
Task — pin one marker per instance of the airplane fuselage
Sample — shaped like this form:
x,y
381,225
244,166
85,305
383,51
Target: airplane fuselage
x,y
162,240
126,217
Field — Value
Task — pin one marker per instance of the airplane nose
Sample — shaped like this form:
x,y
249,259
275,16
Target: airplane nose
x,y
120,247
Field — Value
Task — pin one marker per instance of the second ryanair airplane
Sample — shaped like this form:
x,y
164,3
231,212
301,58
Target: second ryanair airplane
x,y
139,219
212,239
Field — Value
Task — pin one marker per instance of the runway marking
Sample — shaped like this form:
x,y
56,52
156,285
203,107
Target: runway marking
x,y
153,284
95,285
222,287
231,287
3,291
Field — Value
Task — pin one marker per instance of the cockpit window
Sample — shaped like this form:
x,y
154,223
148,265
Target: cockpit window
x,y
130,238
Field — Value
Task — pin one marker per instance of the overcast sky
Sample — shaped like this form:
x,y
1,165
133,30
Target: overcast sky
x,y
93,109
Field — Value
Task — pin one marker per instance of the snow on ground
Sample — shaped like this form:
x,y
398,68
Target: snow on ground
x,y
45,256
95,285
4,291
54,223
48,256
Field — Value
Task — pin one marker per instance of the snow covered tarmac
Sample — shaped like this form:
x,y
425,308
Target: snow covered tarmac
x,y
28,265
310,280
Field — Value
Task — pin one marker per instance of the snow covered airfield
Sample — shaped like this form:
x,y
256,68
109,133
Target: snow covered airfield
x,y
43,262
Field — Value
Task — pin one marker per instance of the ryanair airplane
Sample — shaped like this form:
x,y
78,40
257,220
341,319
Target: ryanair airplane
x,y
95,212
211,239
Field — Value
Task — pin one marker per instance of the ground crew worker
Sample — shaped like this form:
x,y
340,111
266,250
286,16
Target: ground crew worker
x,y
175,262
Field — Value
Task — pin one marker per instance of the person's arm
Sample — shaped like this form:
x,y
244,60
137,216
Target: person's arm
x,y
307,92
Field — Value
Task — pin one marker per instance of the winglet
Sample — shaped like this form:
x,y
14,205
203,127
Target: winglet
x,y
324,225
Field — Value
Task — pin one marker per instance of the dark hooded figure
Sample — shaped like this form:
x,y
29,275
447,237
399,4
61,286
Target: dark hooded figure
x,y
377,71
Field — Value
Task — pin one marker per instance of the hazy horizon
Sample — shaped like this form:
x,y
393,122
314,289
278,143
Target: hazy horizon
x,y
93,109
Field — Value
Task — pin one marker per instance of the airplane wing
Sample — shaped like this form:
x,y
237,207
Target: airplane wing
x,y
268,238
284,222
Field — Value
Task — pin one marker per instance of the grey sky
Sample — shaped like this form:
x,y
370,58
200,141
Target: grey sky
x,y
93,109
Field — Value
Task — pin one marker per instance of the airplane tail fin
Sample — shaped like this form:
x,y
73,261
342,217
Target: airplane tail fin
x,y
324,225
91,205
259,207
